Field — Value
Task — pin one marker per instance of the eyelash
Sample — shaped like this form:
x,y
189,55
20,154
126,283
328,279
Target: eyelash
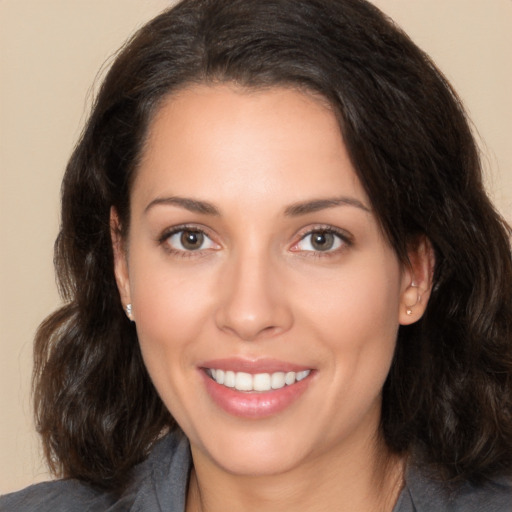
x,y
184,253
343,237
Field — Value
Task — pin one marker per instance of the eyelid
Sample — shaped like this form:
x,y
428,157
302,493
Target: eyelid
x,y
345,238
169,232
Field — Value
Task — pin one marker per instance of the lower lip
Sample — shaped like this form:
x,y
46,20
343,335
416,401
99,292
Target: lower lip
x,y
254,404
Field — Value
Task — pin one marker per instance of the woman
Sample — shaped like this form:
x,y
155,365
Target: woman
x,y
286,288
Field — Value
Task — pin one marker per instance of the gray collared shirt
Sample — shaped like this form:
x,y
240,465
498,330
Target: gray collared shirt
x,y
159,484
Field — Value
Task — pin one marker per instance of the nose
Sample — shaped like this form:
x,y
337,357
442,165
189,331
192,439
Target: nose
x,y
253,300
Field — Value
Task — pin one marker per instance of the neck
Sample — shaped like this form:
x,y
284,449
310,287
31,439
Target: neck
x,y
347,482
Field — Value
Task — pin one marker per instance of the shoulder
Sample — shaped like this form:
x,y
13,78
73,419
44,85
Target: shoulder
x,y
424,492
61,495
160,479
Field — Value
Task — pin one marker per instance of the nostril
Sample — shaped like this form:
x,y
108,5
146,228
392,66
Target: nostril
x,y
251,304
251,333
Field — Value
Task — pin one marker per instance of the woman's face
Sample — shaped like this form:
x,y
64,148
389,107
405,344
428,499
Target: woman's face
x,y
254,260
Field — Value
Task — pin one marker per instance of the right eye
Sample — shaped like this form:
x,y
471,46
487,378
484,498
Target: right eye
x,y
320,240
187,240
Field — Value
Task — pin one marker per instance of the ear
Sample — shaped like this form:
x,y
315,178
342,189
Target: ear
x,y
120,262
417,281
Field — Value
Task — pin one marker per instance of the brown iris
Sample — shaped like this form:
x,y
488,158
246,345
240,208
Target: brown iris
x,y
192,240
322,240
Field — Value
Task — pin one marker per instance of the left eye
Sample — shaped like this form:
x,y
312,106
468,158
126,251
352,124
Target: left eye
x,y
320,241
190,240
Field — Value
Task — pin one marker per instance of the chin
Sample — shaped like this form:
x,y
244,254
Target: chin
x,y
255,453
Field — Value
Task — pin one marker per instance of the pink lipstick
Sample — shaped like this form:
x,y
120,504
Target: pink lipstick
x,y
254,389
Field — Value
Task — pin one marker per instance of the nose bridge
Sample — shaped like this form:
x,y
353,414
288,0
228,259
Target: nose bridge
x,y
253,301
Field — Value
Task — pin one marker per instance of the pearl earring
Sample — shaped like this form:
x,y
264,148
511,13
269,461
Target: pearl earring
x,y
411,298
129,311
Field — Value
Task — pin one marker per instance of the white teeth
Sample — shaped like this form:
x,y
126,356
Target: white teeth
x,y
277,380
289,378
229,379
261,382
243,381
300,375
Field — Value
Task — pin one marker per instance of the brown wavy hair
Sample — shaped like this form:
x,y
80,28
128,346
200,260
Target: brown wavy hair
x,y
449,391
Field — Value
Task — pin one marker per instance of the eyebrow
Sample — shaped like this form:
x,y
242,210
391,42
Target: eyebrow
x,y
192,205
294,210
315,205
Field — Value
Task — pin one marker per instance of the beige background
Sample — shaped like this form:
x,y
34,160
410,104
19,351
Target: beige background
x,y
51,51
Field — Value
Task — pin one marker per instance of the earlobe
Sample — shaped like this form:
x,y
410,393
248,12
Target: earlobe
x,y
120,263
417,281
129,311
411,296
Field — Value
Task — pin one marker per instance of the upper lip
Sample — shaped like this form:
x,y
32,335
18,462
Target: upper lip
x,y
237,364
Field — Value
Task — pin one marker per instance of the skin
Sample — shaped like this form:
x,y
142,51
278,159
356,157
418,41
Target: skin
x,y
257,288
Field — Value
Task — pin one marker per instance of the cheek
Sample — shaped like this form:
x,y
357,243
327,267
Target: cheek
x,y
171,308
355,316
365,298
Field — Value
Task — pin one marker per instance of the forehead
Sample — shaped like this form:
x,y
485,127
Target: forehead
x,y
226,140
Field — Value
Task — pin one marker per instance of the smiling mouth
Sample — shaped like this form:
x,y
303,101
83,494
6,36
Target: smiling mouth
x,y
242,381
